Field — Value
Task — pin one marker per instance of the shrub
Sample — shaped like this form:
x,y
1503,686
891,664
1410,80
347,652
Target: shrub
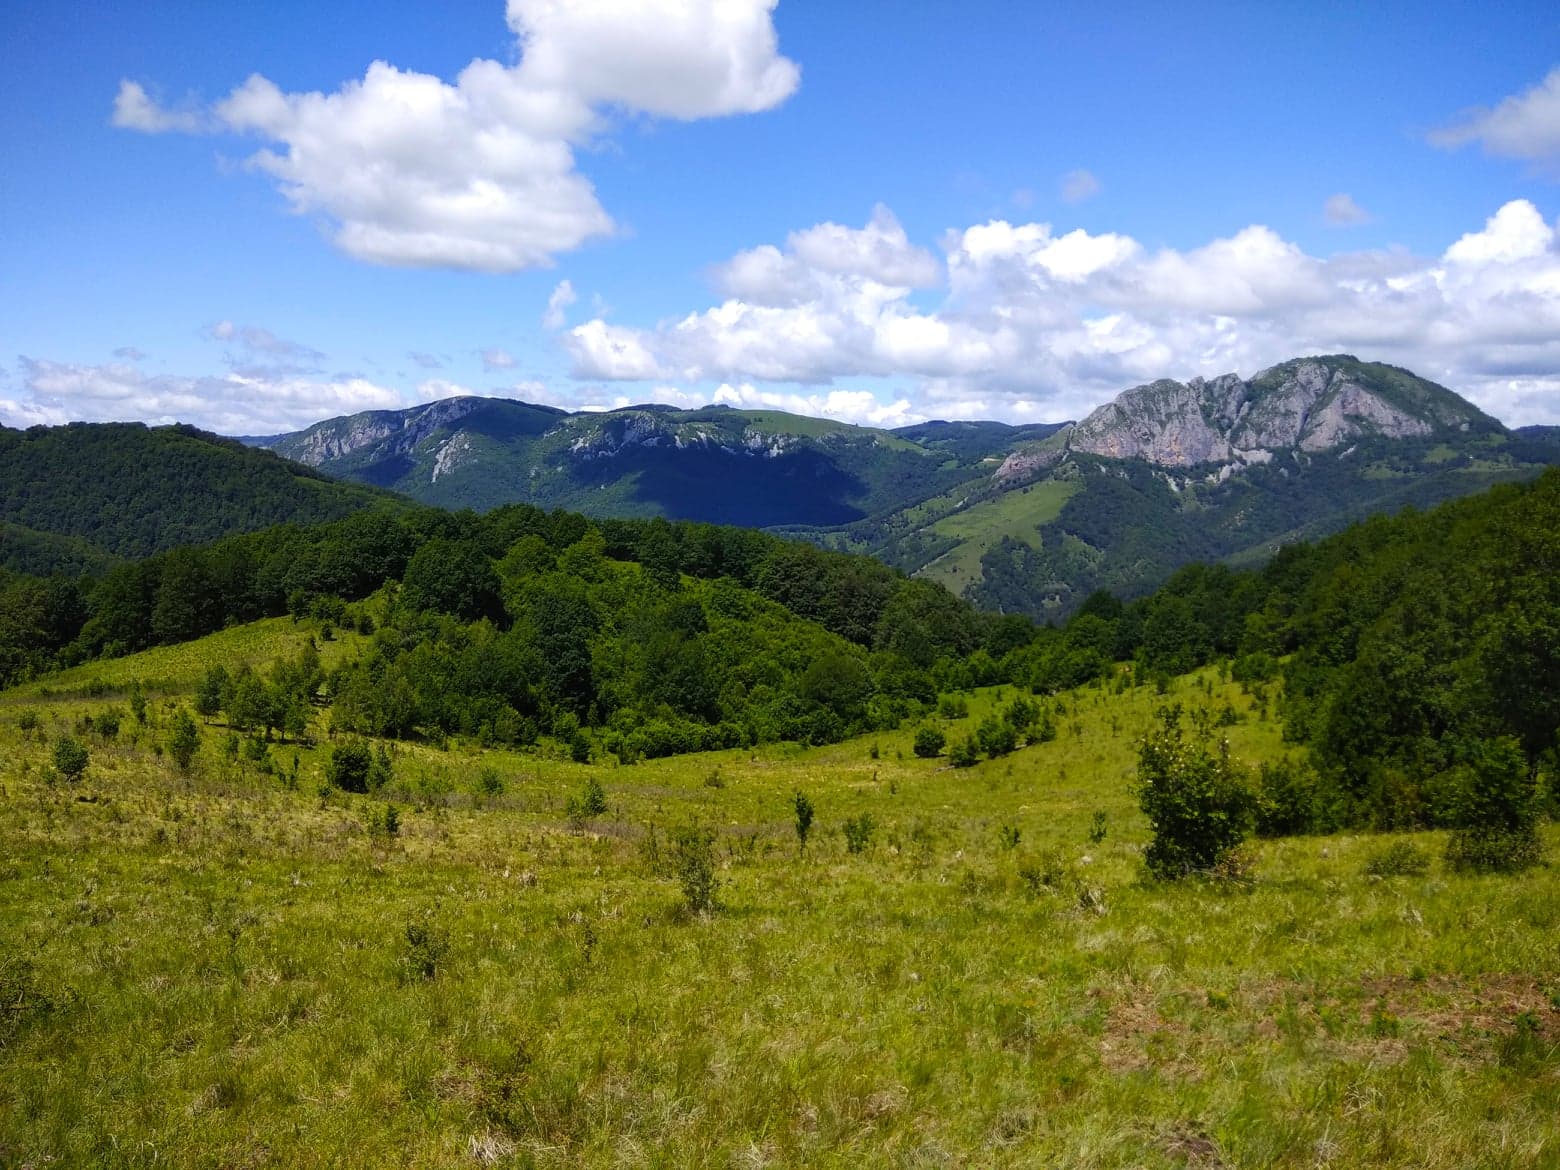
x,y
1254,667
70,758
489,782
379,773
350,764
427,946
693,859
1400,858
1288,799
1050,869
1021,714
591,801
996,737
1196,798
804,817
107,722
1008,836
962,753
27,721
183,740
953,707
1497,821
858,832
1098,827
929,741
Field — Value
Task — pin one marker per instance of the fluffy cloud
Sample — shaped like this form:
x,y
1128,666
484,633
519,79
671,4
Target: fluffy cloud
x,y
1036,324
497,359
1342,211
234,404
480,174
1525,125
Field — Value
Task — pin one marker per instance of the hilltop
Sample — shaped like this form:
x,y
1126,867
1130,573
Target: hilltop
x,y
80,496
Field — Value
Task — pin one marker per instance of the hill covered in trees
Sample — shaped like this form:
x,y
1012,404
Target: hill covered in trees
x,y
1396,651
771,468
107,490
1401,652
658,638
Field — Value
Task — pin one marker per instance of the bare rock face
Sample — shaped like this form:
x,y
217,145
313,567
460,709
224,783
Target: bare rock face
x,y
1027,464
404,429
1309,405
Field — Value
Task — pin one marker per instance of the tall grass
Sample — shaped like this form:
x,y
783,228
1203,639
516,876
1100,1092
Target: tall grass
x,y
236,968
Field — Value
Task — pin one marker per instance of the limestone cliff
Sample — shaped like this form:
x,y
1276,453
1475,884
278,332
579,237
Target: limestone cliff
x,y
1307,405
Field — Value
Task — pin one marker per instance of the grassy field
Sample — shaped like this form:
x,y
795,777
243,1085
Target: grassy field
x,y
981,527
239,968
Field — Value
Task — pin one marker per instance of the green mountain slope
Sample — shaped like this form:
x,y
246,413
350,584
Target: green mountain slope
x,y
1172,473
126,490
1023,519
720,465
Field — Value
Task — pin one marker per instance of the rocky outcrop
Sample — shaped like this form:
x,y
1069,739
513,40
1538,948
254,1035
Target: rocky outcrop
x,y
1308,405
394,432
624,431
1022,465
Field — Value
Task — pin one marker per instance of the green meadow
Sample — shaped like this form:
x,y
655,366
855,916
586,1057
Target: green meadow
x,y
242,966
1016,514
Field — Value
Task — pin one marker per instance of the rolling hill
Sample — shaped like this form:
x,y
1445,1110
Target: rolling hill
x,y
77,497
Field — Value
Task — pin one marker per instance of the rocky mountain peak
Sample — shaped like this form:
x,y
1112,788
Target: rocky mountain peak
x,y
1308,405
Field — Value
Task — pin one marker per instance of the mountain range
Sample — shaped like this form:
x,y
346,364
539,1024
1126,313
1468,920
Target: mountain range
x,y
1027,519
1021,518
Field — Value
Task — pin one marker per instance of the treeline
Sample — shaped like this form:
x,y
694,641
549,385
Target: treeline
x,y
662,637
1410,649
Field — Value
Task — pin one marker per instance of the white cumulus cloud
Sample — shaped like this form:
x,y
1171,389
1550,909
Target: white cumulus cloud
x,y
1525,125
1040,324
135,109
410,169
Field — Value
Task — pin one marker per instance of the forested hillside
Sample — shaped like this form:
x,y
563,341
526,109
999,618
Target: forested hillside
x,y
1127,525
659,638
1403,652
127,490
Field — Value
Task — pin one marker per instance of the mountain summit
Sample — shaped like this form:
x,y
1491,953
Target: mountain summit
x,y
1308,405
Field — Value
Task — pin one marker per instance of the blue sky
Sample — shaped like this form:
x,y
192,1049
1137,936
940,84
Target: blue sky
x,y
879,211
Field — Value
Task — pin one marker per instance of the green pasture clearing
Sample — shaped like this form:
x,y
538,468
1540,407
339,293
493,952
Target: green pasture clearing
x,y
238,968
178,669
981,527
